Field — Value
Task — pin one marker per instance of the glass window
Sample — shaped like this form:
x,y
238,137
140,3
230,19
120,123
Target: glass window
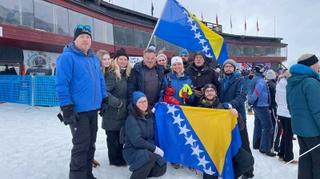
x,y
17,12
76,18
123,36
61,20
27,17
43,16
103,31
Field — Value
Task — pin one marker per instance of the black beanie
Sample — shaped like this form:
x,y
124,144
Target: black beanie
x,y
120,52
308,59
82,29
209,85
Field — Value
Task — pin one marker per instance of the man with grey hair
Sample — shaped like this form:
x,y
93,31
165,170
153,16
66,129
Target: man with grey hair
x,y
147,76
303,94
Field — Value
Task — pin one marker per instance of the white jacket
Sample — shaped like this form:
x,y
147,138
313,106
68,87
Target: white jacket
x,y
281,98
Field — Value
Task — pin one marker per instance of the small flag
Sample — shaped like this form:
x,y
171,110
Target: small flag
x,y
217,20
152,8
245,24
201,16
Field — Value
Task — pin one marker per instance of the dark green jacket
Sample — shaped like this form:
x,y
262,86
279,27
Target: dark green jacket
x,y
303,97
116,112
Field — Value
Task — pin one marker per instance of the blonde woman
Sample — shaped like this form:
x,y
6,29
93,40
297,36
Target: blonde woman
x,y
105,60
116,112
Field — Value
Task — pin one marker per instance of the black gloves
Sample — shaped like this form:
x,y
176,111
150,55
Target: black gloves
x,y
69,115
104,105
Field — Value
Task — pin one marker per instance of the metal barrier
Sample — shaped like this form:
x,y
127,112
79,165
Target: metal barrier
x,y
32,90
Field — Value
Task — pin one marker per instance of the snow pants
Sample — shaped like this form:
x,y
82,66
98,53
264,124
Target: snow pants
x,y
84,134
309,164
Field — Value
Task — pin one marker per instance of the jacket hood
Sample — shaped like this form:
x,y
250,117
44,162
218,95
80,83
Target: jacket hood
x,y
71,47
300,72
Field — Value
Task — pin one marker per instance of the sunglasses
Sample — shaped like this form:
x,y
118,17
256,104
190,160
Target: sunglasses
x,y
83,27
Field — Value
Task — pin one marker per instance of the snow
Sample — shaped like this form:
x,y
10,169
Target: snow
x,y
35,145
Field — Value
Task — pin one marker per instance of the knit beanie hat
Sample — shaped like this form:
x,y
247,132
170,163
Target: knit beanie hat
x,y
184,52
176,59
209,85
136,95
231,62
259,68
308,59
199,53
270,74
121,52
82,29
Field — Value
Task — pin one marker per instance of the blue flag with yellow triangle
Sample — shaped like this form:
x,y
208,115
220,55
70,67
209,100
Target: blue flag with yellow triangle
x,y
200,138
180,27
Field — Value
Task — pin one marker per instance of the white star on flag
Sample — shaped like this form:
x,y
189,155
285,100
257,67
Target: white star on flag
x,y
202,41
189,140
171,109
209,171
209,55
197,35
190,20
205,48
194,27
177,120
202,161
185,12
183,130
196,151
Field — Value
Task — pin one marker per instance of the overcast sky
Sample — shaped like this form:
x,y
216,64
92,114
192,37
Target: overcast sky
x,y
296,21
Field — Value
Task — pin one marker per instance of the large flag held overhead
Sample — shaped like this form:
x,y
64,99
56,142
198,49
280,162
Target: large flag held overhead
x,y
180,27
201,138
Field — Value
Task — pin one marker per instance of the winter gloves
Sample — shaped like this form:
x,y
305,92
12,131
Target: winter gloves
x,y
104,106
69,115
158,151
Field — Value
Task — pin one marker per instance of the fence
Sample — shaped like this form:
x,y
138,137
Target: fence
x,y
32,90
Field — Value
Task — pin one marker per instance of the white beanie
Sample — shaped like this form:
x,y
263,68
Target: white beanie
x,y
270,74
176,59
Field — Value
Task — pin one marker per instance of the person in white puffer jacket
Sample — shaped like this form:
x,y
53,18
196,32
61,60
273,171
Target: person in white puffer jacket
x,y
286,148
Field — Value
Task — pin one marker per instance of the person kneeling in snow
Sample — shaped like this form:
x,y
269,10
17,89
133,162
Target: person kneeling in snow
x,y
139,151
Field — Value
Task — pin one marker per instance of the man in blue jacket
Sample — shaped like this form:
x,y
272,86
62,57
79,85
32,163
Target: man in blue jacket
x,y
81,92
260,99
233,94
303,94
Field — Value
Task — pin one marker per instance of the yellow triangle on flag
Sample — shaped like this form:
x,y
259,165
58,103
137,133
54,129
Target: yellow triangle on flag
x,y
214,129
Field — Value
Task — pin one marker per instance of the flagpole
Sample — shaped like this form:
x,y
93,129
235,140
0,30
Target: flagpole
x,y
156,26
274,26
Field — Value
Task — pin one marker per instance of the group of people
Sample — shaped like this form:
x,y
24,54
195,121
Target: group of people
x,y
88,84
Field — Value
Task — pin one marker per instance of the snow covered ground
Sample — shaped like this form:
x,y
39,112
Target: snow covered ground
x,y
35,145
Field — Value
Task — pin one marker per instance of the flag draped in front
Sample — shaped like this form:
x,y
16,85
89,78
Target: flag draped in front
x,y
201,138
180,27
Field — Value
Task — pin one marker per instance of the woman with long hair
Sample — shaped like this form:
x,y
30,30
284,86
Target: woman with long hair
x,y
116,112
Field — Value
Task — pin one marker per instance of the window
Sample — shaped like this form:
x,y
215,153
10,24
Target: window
x,y
17,12
123,36
76,18
103,31
61,22
43,16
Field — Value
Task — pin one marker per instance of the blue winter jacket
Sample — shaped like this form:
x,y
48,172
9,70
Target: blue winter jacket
x,y
171,79
79,80
233,90
303,94
259,96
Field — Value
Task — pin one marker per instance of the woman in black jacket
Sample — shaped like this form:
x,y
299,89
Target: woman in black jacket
x,y
139,151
